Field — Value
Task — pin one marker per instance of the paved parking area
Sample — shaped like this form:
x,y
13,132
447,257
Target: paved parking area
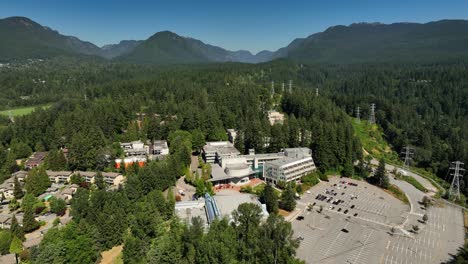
x,y
368,202
335,237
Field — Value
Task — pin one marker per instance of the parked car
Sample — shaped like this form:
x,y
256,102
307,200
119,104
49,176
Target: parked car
x,y
300,218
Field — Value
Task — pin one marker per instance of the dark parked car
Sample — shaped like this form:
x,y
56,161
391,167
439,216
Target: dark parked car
x,y
346,211
344,230
352,206
300,218
355,214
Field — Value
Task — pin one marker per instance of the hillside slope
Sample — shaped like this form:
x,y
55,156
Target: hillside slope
x,y
375,42
23,38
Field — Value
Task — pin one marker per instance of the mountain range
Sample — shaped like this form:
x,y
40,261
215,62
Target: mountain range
x,y
22,38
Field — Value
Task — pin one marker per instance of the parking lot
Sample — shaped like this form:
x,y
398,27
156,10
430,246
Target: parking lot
x,y
331,236
359,200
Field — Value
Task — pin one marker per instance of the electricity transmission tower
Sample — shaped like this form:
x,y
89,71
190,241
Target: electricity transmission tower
x,y
282,87
316,92
372,114
407,153
358,115
457,174
290,86
272,87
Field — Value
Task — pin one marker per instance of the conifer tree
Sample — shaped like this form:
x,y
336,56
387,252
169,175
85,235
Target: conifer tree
x,y
99,181
269,197
17,191
29,222
288,202
16,229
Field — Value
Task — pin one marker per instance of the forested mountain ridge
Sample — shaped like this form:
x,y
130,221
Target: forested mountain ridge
x,y
123,47
22,38
169,48
444,40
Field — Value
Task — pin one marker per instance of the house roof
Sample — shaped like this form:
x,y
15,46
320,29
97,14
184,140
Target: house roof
x,y
86,173
4,218
58,173
20,174
111,174
36,158
32,242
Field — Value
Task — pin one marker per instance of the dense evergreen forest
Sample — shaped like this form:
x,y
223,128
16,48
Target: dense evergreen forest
x,y
424,106
95,105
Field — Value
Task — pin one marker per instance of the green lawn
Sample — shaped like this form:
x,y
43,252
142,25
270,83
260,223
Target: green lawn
x,y
23,110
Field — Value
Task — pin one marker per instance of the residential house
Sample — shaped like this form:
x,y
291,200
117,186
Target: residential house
x,y
7,188
59,176
20,175
36,159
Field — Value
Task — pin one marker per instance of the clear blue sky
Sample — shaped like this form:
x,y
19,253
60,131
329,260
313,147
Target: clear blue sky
x,y
241,24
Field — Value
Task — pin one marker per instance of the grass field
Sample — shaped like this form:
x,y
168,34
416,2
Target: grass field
x,y
372,140
22,111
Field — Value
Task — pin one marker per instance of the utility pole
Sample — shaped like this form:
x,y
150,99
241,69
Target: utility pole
x,y
290,86
372,114
457,167
358,115
407,152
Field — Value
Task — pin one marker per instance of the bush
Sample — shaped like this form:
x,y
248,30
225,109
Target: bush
x,y
322,176
56,222
310,179
39,209
246,189
281,185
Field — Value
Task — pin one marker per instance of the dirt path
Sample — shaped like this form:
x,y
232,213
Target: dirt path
x,y
110,256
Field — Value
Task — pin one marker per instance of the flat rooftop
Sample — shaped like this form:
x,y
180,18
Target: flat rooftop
x,y
221,147
190,209
227,202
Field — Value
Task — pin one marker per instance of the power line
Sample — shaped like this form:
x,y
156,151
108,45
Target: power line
x,y
408,153
372,114
458,169
358,115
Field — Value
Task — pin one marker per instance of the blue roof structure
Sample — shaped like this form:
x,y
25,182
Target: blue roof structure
x,y
211,208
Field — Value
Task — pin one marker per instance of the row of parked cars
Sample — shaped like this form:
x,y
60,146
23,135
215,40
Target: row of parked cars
x,y
349,183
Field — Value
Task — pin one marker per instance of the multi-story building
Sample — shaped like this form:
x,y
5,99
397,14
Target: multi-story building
x,y
213,152
134,148
296,163
36,159
159,148
59,176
